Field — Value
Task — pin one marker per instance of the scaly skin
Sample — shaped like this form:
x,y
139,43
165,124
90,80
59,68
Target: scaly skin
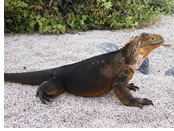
x,y
97,75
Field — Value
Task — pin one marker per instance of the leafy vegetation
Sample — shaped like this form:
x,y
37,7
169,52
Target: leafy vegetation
x,y
60,16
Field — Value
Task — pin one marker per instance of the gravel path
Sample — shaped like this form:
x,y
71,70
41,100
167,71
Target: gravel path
x,y
36,52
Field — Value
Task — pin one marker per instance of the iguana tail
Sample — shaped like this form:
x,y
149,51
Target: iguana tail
x,y
30,78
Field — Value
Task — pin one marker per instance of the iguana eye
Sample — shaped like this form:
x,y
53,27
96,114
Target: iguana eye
x,y
152,38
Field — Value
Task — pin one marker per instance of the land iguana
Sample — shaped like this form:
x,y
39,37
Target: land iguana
x,y
95,76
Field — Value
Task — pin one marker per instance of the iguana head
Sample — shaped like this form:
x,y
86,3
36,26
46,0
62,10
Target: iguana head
x,y
143,44
138,48
148,42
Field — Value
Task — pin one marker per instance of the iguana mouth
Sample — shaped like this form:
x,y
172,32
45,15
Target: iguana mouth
x,y
160,41
166,45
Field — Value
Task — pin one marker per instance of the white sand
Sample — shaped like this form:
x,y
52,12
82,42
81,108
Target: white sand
x,y
37,52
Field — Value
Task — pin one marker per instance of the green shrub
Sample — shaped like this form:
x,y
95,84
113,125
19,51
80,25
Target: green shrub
x,y
59,16
29,16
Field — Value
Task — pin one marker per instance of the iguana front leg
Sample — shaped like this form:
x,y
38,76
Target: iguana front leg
x,y
121,89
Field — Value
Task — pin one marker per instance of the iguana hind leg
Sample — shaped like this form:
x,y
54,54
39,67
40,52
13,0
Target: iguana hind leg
x,y
50,89
121,90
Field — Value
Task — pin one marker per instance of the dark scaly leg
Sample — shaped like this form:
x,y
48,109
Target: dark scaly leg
x,y
50,89
121,89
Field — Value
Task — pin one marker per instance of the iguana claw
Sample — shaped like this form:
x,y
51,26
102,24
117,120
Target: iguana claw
x,y
145,102
131,86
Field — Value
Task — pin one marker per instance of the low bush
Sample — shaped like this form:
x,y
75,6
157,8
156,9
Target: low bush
x,y
60,16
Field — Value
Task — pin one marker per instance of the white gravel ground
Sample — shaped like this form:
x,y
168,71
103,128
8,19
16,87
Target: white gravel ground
x,y
37,52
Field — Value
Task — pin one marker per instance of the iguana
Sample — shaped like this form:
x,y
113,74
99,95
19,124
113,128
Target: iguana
x,y
95,76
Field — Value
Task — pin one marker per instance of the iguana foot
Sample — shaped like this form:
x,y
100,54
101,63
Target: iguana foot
x,y
139,102
42,95
49,90
131,86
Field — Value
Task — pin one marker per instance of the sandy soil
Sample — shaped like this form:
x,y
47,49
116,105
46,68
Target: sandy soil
x,y
36,52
